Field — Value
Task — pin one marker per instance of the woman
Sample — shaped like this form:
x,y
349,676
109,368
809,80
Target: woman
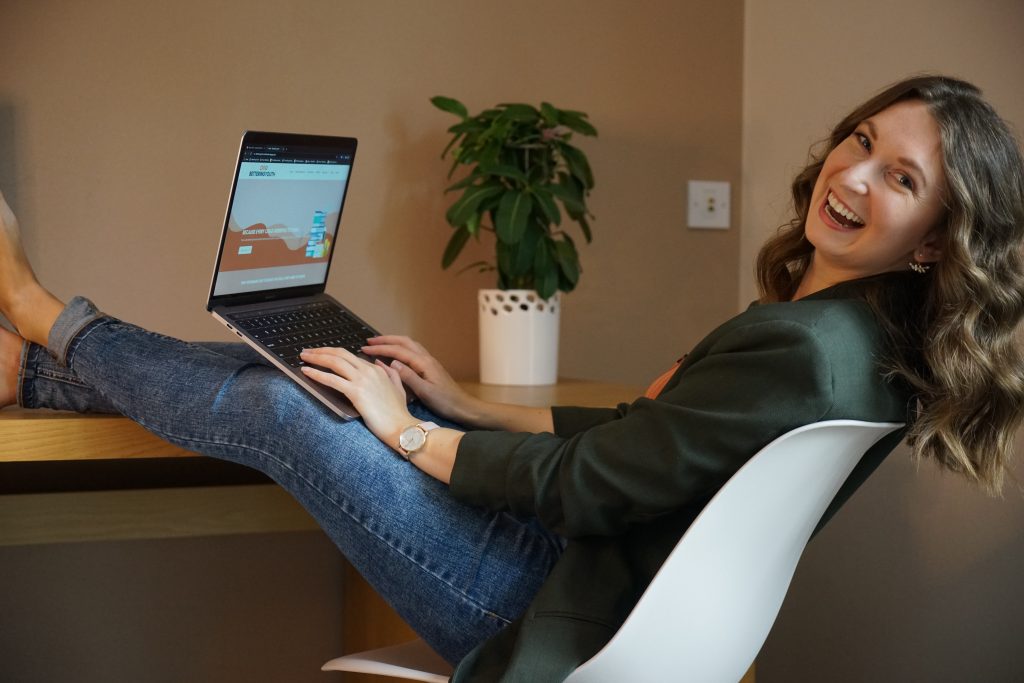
x,y
892,295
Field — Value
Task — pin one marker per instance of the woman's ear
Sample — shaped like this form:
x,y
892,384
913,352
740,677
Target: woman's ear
x,y
929,249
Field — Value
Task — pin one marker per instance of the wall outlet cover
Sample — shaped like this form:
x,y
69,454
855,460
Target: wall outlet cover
x,y
708,204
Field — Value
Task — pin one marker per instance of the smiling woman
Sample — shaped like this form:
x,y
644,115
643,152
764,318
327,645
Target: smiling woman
x,y
878,201
924,177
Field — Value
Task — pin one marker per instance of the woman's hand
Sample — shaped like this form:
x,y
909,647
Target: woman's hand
x,y
375,389
422,373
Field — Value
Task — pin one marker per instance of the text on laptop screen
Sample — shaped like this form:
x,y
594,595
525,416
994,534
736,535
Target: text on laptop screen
x,y
283,218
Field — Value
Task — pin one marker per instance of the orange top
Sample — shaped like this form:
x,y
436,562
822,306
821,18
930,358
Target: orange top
x,y
659,384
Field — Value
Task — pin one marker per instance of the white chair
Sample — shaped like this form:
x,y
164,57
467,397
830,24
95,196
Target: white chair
x,y
710,607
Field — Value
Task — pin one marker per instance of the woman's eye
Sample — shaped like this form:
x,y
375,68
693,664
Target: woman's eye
x,y
863,141
905,181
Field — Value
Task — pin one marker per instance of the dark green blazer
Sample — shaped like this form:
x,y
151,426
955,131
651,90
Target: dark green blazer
x,y
622,485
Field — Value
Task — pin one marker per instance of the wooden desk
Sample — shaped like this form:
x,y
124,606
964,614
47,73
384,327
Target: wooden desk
x,y
38,436
28,436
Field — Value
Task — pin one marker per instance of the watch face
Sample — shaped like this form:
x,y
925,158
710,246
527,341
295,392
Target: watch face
x,y
412,438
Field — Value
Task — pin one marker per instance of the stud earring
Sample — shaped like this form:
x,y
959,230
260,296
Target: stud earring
x,y
919,267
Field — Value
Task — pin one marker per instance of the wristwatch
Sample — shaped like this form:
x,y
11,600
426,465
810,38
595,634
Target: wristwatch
x,y
414,438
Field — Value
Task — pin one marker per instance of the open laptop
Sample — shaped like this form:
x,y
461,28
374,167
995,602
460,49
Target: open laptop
x,y
280,230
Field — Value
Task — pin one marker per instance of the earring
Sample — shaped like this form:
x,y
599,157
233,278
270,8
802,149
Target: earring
x,y
919,267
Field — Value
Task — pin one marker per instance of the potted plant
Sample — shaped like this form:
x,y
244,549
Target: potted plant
x,y
523,172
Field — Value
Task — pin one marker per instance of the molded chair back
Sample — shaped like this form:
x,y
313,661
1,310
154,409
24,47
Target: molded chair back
x,y
710,607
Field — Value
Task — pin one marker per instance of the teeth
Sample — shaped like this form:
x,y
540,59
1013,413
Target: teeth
x,y
841,209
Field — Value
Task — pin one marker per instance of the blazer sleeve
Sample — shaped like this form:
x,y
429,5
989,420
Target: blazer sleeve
x,y
570,420
755,382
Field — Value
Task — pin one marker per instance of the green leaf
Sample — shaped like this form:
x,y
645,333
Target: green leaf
x,y
571,197
545,269
473,224
460,212
455,163
450,105
585,226
542,256
525,250
473,176
503,170
489,155
578,165
451,143
513,211
547,204
549,114
519,112
576,121
468,126
455,245
480,266
568,261
506,256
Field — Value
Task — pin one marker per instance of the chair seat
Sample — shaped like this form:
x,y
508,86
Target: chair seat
x,y
414,661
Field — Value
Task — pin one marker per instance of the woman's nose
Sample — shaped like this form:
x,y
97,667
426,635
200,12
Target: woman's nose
x,y
855,178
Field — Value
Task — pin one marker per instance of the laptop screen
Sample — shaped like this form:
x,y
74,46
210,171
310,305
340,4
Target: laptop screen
x,y
283,214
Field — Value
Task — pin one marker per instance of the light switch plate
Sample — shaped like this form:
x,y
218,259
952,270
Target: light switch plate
x,y
708,204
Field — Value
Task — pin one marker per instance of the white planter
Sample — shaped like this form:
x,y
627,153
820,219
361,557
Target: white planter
x,y
518,337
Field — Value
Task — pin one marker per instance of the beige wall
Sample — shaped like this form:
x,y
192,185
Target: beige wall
x,y
916,580
121,121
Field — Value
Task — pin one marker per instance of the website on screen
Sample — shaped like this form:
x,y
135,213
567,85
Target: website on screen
x,y
283,219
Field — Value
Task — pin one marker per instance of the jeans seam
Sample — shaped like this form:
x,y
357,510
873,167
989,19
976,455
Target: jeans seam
x,y
23,380
67,355
312,486
60,377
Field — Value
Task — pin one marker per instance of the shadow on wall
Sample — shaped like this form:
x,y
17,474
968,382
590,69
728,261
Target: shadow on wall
x,y
928,542
8,156
8,166
413,230
405,251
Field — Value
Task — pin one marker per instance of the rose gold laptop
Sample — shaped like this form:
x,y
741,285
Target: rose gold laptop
x,y
280,231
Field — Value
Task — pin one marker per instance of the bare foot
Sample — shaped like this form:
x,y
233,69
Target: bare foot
x,y
29,307
10,361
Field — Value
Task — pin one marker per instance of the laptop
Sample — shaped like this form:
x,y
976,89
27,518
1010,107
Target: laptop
x,y
280,231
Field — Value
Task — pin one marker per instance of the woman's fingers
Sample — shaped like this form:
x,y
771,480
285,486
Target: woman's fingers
x,y
397,340
409,376
339,361
393,375
329,379
400,353
411,354
395,344
349,373
332,357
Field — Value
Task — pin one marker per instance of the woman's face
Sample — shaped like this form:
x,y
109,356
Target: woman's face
x,y
877,203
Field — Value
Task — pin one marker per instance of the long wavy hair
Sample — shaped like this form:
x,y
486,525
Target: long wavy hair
x,y
951,332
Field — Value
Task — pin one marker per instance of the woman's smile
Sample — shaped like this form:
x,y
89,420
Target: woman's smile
x,y
838,215
878,198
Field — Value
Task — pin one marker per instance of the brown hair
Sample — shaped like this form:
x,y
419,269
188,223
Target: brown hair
x,y
952,332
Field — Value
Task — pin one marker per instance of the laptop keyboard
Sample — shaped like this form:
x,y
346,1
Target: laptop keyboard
x,y
287,331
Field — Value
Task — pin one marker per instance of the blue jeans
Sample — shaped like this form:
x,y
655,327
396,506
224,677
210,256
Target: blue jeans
x,y
457,574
